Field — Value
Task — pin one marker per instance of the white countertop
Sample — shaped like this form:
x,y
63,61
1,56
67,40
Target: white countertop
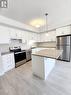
x,y
50,53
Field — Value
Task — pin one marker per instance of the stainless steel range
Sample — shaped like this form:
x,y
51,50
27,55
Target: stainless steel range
x,y
20,56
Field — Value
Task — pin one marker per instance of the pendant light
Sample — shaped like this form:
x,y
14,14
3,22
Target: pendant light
x,y
46,24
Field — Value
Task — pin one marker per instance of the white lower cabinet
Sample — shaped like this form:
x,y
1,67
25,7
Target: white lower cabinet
x,y
8,62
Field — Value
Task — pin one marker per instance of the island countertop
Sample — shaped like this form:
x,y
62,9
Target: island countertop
x,y
50,53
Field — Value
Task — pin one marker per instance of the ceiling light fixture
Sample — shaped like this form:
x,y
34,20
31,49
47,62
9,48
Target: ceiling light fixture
x,y
46,26
37,22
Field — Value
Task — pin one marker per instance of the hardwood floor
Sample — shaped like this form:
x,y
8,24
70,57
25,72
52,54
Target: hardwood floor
x,y
20,81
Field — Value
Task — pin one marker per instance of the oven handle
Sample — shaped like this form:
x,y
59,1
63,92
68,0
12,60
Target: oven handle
x,y
20,52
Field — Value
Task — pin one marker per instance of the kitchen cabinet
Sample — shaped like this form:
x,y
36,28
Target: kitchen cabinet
x,y
19,34
23,37
45,66
35,37
42,37
38,37
12,33
15,33
8,61
48,36
7,33
51,36
1,66
27,36
4,35
63,31
31,36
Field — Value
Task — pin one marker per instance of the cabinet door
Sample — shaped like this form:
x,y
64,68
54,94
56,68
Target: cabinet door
x,y
48,36
5,62
11,61
8,62
63,31
4,34
19,34
27,37
23,36
35,37
12,33
52,36
38,37
66,30
42,37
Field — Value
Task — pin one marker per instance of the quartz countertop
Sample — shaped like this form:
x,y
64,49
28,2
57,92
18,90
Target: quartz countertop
x,y
4,53
50,53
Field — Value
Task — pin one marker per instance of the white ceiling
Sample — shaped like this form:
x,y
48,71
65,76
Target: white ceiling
x,y
25,10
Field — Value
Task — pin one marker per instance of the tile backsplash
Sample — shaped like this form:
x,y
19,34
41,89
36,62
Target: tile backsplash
x,y
5,47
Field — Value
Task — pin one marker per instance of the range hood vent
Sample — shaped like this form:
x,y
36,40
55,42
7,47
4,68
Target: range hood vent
x,y
15,40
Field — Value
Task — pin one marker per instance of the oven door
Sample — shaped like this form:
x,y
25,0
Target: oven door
x,y
20,58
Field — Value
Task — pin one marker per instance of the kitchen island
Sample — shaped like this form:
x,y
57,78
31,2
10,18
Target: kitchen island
x,y
44,61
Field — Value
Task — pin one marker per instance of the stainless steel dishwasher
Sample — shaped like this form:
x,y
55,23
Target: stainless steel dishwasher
x,y
28,54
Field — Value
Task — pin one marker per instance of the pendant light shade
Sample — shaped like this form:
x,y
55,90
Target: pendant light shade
x,y
46,22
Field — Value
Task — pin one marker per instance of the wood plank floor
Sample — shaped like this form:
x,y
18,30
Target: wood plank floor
x,y
20,81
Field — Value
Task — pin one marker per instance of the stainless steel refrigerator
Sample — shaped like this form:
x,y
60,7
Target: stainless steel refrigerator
x,y
64,43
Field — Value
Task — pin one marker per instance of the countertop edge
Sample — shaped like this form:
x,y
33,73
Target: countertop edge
x,y
6,53
44,56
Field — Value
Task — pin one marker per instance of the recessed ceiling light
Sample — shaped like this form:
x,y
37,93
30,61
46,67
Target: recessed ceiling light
x,y
37,22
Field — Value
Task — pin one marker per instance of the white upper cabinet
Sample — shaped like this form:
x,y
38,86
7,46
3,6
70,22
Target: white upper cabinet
x,y
31,36
34,37
23,36
12,33
15,33
49,36
63,31
38,37
19,34
26,36
4,34
42,37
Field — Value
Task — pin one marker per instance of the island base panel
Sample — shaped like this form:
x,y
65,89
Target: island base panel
x,y
42,66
